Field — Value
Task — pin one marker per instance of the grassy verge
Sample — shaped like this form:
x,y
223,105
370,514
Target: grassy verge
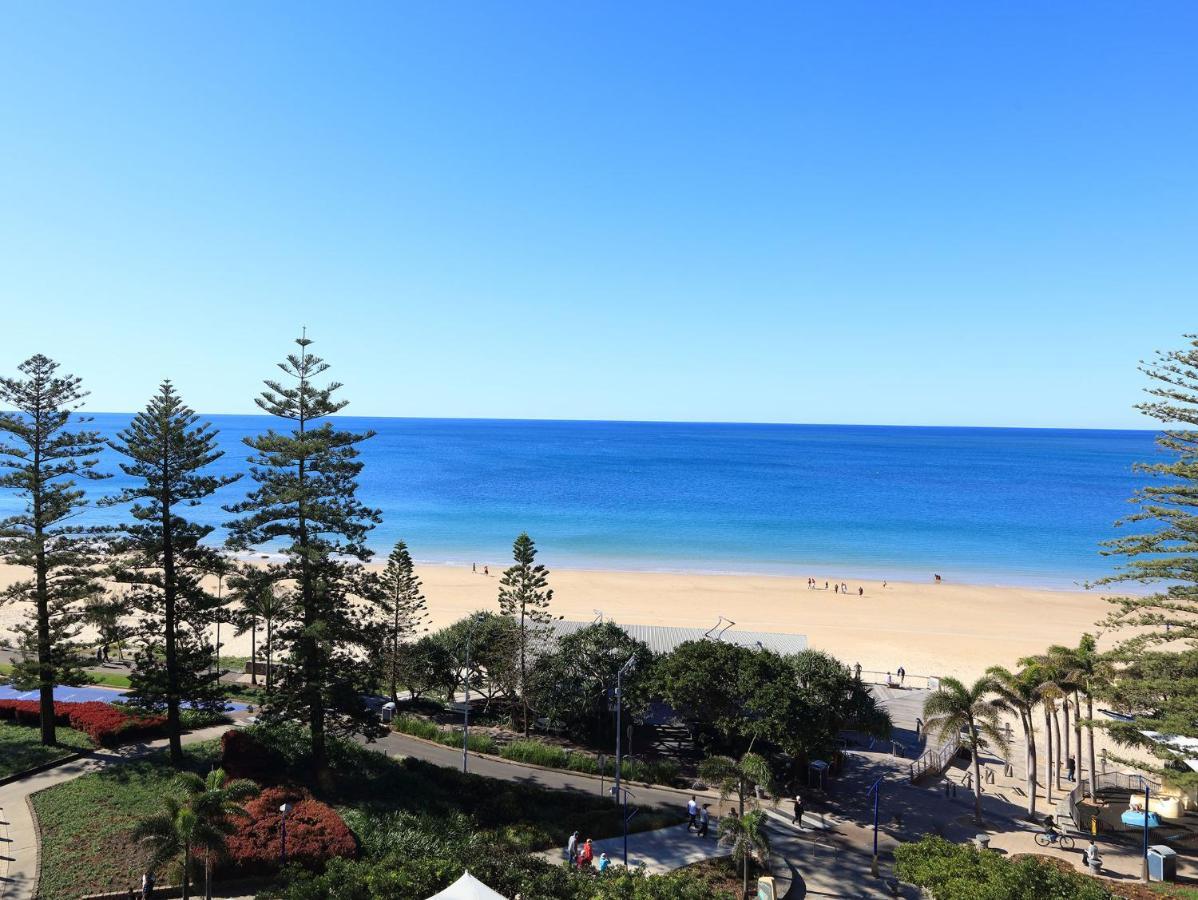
x,y
450,737
85,824
106,679
21,748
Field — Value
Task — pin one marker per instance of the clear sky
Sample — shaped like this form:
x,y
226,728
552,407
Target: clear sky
x,y
912,213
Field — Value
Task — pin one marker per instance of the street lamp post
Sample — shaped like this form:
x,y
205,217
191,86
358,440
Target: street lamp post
x,y
1144,870
624,669
284,809
876,790
466,707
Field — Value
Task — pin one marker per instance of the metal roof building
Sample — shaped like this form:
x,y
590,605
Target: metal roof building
x,y
664,638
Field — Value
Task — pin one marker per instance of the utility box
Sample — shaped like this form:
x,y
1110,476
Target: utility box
x,y
388,713
765,888
1162,863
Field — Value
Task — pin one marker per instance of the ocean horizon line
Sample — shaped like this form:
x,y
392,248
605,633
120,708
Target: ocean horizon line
x,y
714,422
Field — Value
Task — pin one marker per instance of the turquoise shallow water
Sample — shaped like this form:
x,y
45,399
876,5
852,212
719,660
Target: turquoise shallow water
x,y
975,504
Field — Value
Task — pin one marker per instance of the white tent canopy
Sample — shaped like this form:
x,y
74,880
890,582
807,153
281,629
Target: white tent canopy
x,y
468,888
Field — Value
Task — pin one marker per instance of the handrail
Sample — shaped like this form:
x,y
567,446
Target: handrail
x,y
934,761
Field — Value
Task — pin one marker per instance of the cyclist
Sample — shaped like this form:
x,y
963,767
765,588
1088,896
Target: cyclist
x,y
1051,830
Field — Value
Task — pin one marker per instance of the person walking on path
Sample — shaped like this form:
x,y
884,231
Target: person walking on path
x,y
586,855
1071,769
604,862
902,674
798,810
692,815
704,820
572,848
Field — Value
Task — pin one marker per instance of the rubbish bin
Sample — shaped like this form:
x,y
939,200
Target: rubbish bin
x,y
1162,863
388,713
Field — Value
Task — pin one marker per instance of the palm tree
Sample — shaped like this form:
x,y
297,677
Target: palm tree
x,y
736,776
196,817
954,707
1051,687
1017,694
1086,671
745,835
254,587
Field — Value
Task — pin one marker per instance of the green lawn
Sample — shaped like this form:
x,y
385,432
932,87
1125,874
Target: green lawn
x,y
113,680
85,824
21,748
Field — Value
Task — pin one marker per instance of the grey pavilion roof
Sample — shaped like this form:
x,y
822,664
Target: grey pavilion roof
x,y
664,638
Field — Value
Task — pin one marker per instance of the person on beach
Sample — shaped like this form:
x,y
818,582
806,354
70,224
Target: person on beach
x,y
586,855
704,820
836,589
860,592
883,584
474,568
604,862
902,674
486,571
844,588
798,811
572,848
938,579
692,814
825,585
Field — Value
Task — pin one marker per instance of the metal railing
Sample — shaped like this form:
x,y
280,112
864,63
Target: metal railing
x,y
933,762
1126,782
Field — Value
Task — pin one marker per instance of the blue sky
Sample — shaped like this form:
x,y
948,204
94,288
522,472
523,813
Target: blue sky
x,y
921,213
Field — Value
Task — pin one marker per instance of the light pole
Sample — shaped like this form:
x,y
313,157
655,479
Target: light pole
x,y
622,795
624,669
876,790
1144,871
466,707
284,809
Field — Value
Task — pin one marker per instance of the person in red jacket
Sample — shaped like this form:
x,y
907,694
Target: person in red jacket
x,y
585,855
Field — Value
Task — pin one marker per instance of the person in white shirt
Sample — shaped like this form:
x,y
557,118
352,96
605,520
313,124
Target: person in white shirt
x,y
692,813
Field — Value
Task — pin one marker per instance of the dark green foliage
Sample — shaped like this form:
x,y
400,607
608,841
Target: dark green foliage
x,y
962,872
41,458
524,596
494,670
735,698
1162,553
305,506
396,590
425,667
261,604
161,557
575,684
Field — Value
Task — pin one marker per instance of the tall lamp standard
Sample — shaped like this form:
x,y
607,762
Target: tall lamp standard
x,y
284,809
1147,789
876,790
466,707
624,670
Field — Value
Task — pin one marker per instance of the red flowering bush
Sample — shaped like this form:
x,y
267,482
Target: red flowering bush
x,y
242,755
105,723
315,833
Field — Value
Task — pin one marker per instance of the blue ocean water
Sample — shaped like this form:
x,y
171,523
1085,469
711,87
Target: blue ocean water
x,y
982,505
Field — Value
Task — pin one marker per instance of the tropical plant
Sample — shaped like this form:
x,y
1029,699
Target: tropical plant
x,y
259,603
42,459
955,707
745,835
524,596
1017,694
741,777
397,592
305,506
162,558
197,816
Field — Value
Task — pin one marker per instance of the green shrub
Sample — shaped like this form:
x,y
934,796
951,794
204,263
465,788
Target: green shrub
x,y
450,737
962,872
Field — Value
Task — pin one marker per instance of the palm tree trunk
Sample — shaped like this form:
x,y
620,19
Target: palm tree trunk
x,y
269,647
1090,729
1029,743
1077,730
1047,752
208,875
254,651
977,773
1066,752
1056,728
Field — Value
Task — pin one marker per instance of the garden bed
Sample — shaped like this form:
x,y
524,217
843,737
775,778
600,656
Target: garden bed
x,y
21,748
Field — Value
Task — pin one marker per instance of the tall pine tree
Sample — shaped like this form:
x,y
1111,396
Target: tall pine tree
x,y
398,593
306,507
524,595
41,458
160,555
1159,685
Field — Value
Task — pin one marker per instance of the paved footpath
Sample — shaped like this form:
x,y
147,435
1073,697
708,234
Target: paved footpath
x,y
19,863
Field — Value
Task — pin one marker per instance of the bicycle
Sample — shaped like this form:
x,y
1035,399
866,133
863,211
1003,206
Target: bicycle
x,y
1046,839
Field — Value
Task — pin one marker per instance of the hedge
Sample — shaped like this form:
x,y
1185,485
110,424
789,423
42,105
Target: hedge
x,y
450,737
105,723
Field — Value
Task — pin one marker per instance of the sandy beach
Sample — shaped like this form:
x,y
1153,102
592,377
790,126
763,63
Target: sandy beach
x,y
946,629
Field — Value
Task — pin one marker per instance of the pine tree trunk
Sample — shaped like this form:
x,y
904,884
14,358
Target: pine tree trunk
x,y
170,593
269,647
45,666
395,654
523,676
